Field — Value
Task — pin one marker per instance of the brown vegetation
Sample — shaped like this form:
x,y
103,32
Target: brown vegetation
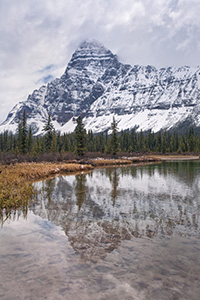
x,y
14,191
15,181
41,170
109,162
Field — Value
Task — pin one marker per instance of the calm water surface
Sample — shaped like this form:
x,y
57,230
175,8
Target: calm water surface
x,y
115,233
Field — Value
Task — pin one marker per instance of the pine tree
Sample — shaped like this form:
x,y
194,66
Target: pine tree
x,y
37,148
65,146
113,146
133,141
102,143
158,142
150,140
141,144
71,142
5,141
54,143
30,140
1,143
22,134
80,138
191,139
59,142
164,142
49,131
90,141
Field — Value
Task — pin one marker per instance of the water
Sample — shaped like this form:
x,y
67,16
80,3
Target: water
x,y
115,233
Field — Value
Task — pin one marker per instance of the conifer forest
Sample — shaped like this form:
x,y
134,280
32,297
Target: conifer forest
x,y
81,142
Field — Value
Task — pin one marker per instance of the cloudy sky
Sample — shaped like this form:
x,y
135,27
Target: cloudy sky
x,y
38,37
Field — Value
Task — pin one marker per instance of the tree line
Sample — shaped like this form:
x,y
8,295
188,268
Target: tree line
x,y
81,142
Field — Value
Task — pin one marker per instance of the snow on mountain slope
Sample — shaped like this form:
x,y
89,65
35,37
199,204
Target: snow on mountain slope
x,y
97,86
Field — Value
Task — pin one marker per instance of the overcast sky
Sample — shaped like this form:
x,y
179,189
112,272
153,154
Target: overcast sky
x,y
38,37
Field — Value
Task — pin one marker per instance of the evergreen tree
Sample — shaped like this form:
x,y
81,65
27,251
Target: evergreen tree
x,y
90,141
197,144
158,142
22,134
133,141
37,149
124,140
191,139
71,142
65,146
54,143
59,142
80,138
164,143
106,138
150,140
1,143
175,142
30,140
113,146
99,144
182,145
141,142
102,142
49,131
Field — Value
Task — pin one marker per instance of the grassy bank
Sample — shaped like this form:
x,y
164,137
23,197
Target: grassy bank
x,y
15,192
16,181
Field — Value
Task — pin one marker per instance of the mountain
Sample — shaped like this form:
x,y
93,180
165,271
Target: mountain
x,y
97,86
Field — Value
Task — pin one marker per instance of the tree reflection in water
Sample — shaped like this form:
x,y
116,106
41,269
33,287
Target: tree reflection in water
x,y
99,210
80,189
113,175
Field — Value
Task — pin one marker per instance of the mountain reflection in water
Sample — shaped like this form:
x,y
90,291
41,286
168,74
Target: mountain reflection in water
x,y
100,209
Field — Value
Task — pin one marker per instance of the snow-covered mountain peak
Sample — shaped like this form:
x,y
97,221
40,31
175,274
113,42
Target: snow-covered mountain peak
x,y
90,51
97,86
91,48
91,44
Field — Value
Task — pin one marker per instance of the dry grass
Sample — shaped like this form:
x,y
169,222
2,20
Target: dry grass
x,y
16,181
14,191
144,158
41,170
98,162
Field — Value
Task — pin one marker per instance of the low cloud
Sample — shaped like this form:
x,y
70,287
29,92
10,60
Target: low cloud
x,y
38,37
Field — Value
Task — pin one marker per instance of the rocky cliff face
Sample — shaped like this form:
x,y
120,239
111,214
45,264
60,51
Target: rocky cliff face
x,y
97,86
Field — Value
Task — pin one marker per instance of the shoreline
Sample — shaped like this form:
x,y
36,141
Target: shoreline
x,y
176,157
40,170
